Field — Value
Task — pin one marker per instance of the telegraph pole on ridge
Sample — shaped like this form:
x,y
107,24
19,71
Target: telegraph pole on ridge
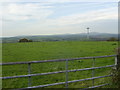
x,y
88,33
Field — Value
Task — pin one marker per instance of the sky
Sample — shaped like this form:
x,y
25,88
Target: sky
x,y
57,17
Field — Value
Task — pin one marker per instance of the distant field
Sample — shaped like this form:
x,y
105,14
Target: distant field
x,y
14,52
34,51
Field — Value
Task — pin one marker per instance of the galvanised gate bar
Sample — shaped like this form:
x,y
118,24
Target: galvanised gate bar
x,y
65,71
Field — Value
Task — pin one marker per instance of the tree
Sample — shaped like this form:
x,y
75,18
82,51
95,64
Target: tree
x,y
24,40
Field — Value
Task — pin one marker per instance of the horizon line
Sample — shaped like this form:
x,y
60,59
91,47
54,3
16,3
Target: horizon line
x,y
52,34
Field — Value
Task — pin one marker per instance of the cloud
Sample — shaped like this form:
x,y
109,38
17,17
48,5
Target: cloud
x,y
35,18
15,11
57,1
102,14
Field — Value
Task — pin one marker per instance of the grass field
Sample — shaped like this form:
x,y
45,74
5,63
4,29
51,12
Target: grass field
x,y
34,51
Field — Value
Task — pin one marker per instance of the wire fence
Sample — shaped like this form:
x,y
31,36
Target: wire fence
x,y
66,71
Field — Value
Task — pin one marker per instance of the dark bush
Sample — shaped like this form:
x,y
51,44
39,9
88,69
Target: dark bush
x,y
114,44
24,40
116,77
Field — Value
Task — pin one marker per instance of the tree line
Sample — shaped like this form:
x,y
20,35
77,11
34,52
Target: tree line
x,y
27,40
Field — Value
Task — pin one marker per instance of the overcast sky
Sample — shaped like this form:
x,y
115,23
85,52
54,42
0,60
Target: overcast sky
x,y
44,18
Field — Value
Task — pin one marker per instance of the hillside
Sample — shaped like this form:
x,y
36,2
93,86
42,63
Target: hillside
x,y
94,36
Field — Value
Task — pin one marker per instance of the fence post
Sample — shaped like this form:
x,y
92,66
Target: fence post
x,y
93,72
118,62
29,72
66,82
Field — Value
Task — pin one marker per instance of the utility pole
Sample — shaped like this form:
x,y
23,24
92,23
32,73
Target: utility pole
x,y
88,33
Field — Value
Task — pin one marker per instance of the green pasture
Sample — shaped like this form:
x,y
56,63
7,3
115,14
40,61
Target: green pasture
x,y
35,51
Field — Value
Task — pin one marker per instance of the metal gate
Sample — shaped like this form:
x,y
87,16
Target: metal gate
x,y
65,71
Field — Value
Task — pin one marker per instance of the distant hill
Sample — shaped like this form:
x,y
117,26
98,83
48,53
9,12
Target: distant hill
x,y
94,36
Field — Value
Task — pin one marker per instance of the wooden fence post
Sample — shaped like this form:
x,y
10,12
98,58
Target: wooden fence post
x,y
118,62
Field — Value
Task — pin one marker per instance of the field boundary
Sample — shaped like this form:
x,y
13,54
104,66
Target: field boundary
x,y
65,71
